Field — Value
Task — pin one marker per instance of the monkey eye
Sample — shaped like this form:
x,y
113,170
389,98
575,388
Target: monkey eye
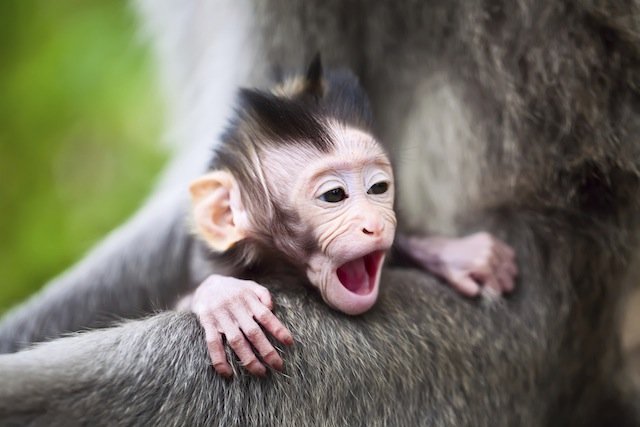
x,y
334,195
378,188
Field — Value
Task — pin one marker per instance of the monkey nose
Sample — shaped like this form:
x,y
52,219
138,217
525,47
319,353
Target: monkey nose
x,y
373,227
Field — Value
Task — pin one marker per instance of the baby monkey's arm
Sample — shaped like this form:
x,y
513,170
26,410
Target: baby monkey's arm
x,y
236,308
469,264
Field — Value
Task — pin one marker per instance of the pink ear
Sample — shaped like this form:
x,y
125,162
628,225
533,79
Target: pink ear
x,y
218,215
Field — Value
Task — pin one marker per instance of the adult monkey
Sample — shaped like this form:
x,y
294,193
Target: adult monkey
x,y
532,106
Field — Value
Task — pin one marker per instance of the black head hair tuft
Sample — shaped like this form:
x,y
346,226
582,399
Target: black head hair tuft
x,y
284,120
313,79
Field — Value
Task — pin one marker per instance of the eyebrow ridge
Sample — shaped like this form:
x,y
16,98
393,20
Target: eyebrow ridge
x,y
345,164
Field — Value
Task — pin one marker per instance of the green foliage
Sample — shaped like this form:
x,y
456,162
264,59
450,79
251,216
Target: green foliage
x,y
80,117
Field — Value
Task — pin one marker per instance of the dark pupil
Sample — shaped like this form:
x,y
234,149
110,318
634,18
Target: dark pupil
x,y
378,188
334,196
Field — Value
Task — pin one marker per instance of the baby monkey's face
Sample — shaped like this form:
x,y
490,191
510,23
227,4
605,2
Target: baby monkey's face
x,y
346,196
343,204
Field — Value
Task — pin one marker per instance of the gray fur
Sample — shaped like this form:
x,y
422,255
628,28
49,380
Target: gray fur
x,y
540,105
392,366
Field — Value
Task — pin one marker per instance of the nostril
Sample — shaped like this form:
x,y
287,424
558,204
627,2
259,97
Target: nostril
x,y
365,231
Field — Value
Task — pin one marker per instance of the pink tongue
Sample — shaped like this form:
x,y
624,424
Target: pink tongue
x,y
353,275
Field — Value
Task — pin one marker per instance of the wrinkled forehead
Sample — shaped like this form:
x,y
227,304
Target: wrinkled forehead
x,y
350,141
285,166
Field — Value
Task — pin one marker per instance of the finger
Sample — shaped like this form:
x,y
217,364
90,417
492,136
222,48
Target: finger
x,y
258,339
495,261
466,286
242,349
493,283
481,270
511,269
488,279
215,348
505,250
264,296
270,322
505,280
507,263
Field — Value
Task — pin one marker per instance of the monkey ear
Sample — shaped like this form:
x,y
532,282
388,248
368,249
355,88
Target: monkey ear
x,y
313,78
218,214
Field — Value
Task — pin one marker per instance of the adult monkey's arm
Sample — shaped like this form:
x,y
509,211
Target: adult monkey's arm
x,y
140,267
372,370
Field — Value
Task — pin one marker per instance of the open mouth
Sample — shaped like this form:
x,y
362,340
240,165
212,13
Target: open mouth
x,y
359,276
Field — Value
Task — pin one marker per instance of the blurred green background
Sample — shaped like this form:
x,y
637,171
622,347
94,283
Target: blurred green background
x,y
80,120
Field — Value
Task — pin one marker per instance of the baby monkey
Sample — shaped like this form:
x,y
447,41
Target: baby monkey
x,y
299,180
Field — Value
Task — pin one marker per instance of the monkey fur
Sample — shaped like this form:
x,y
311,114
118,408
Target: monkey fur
x,y
516,117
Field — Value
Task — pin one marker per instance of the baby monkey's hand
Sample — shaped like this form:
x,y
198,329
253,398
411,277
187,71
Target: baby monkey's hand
x,y
468,263
235,308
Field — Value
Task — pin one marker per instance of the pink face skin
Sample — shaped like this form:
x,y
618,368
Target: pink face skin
x,y
347,198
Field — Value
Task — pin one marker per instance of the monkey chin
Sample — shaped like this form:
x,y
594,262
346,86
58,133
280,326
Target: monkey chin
x,y
354,285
